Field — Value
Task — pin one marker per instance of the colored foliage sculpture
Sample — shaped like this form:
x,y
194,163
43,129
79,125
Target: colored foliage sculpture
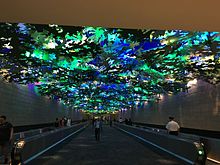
x,y
106,69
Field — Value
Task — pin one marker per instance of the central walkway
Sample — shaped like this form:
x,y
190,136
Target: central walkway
x,y
114,148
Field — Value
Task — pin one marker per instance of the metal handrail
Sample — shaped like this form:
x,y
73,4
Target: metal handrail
x,y
192,137
36,132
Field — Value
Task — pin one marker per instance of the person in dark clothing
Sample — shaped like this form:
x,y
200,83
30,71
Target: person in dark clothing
x,y
97,129
129,121
57,123
62,122
93,122
6,136
110,122
65,121
126,121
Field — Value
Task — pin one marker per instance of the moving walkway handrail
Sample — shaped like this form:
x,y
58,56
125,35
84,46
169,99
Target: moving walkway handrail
x,y
188,151
52,132
34,132
211,145
38,144
30,133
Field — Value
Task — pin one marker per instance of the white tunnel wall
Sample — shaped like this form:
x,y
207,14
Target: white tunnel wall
x,y
199,108
23,106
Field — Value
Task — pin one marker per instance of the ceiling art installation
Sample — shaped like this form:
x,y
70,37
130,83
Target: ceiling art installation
x,y
103,70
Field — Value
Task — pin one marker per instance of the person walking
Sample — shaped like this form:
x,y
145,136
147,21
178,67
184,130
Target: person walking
x,y
65,120
172,127
62,122
110,123
69,122
120,120
129,121
93,122
57,123
6,136
97,130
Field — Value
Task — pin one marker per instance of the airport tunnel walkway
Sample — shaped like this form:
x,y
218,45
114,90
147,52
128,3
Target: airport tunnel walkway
x,y
114,147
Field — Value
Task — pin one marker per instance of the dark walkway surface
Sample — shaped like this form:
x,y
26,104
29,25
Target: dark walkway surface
x,y
115,148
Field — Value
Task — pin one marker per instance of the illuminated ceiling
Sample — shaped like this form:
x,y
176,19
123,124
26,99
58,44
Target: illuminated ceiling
x,y
102,70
